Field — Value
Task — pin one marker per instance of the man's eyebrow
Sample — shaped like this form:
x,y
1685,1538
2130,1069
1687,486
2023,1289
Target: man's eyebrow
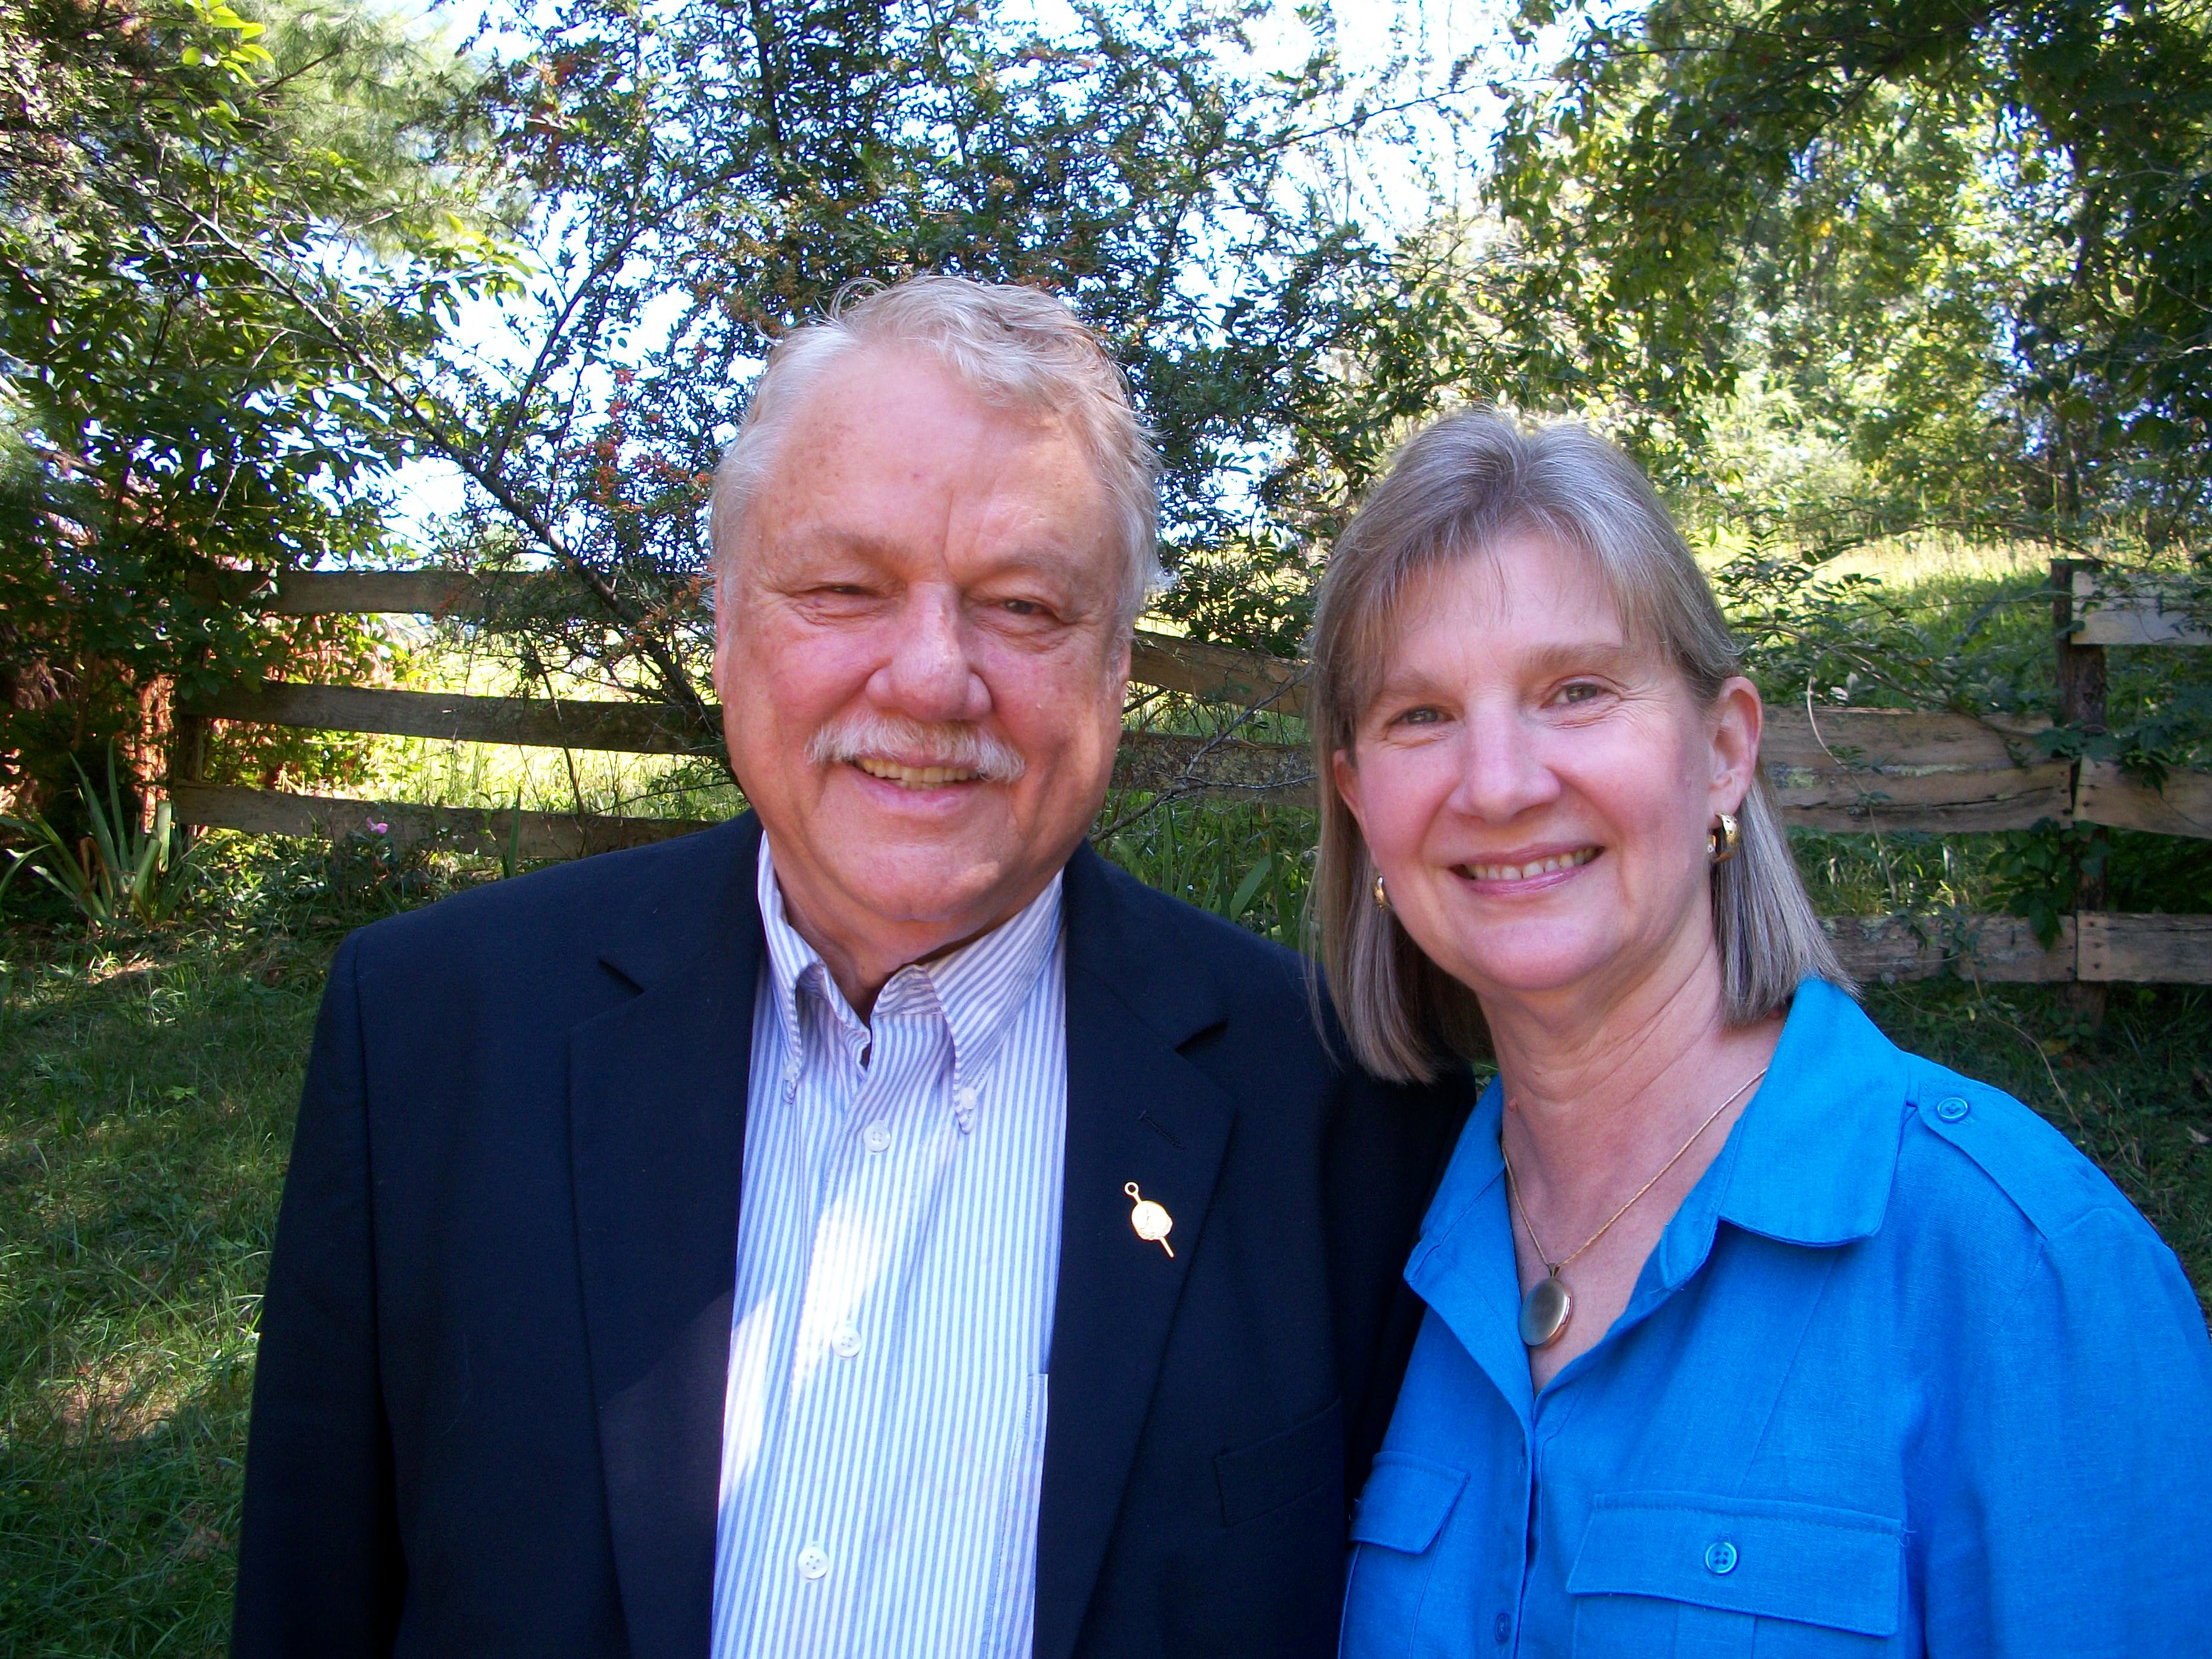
x,y
826,536
829,538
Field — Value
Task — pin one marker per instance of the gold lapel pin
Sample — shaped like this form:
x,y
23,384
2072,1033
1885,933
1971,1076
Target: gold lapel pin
x,y
1153,1223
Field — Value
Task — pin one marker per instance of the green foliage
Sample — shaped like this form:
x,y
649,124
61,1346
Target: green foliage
x,y
2038,873
1971,250
1817,636
1250,863
119,873
367,872
172,410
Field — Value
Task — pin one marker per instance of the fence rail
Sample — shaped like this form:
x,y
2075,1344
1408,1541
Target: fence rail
x,y
1838,769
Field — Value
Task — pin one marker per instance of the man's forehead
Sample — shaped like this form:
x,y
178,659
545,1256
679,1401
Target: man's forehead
x,y
868,382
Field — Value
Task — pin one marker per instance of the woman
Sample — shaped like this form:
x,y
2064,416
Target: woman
x,y
1746,1332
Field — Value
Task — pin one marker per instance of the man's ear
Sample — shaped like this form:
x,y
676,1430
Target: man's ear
x,y
725,605
1737,719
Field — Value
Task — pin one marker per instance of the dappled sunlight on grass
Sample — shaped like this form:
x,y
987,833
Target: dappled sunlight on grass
x,y
146,1099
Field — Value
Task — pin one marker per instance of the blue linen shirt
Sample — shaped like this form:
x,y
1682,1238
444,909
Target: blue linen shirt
x,y
1905,1375
898,1249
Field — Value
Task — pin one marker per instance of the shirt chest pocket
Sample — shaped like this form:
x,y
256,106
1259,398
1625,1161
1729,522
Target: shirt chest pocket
x,y
1394,1533
1706,1578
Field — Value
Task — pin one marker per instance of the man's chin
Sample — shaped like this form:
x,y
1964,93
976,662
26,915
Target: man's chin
x,y
925,886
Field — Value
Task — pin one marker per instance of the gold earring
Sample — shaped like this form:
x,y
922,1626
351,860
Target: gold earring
x,y
1725,842
1382,893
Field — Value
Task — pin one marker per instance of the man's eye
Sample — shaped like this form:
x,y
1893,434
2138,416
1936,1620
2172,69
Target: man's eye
x,y
1424,715
1579,691
1021,607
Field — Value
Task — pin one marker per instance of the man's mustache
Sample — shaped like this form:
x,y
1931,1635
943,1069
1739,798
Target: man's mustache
x,y
956,747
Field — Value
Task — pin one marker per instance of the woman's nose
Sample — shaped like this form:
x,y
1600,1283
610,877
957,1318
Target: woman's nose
x,y
931,673
1502,773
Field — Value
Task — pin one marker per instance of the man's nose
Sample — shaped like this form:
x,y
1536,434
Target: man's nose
x,y
931,672
1502,769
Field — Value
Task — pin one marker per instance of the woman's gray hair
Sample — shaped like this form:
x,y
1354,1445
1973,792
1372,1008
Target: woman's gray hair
x,y
1012,347
1465,484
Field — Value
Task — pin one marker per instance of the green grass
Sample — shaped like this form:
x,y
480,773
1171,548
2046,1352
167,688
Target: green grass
x,y
146,1098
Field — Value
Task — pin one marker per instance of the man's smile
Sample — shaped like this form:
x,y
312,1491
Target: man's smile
x,y
914,777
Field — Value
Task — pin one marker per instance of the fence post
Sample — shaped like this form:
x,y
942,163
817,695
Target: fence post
x,y
2081,670
187,755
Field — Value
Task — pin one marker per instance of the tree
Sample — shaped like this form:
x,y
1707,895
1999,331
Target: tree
x,y
1973,240
168,416
709,175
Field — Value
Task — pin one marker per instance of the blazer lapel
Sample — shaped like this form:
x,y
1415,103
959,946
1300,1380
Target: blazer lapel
x,y
1137,1112
656,1103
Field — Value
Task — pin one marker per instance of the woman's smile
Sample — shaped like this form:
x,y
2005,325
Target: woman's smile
x,y
1524,872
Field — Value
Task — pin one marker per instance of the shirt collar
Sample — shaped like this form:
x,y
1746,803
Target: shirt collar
x,y
977,990
1812,1159
1809,1162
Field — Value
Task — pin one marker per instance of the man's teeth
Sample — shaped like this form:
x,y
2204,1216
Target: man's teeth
x,y
914,777
1536,867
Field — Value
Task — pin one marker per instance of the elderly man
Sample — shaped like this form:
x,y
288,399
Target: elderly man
x,y
875,1226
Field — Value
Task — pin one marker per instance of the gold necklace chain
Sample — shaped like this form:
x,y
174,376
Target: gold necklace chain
x,y
1513,1185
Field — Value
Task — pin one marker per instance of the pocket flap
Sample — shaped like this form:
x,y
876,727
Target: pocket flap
x,y
1406,1503
1283,1467
1839,1569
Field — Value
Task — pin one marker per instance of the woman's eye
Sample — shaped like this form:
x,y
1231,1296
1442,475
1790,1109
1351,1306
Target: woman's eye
x,y
1021,607
1424,715
1579,691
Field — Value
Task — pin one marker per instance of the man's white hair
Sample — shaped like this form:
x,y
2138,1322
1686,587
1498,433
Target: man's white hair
x,y
1012,347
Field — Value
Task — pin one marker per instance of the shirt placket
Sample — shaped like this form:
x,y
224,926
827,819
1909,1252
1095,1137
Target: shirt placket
x,y
882,1150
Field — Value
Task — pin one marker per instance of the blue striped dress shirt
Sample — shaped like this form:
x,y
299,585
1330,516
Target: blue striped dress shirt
x,y
898,1245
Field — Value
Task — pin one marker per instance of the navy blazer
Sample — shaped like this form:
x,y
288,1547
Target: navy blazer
x,y
488,1413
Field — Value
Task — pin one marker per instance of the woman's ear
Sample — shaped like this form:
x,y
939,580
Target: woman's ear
x,y
1737,718
1344,771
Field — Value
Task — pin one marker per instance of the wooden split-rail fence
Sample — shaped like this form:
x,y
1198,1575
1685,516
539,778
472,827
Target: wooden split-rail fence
x,y
1841,769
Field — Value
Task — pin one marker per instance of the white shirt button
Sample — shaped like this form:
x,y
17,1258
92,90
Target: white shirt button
x,y
813,1561
964,1097
876,1137
846,1340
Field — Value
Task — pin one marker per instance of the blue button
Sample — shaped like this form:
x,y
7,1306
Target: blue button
x,y
1720,1558
1951,1108
1501,1627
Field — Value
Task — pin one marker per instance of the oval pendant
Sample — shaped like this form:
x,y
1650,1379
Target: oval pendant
x,y
1545,1311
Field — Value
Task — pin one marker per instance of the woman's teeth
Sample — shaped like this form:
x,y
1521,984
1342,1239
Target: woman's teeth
x,y
914,777
1534,867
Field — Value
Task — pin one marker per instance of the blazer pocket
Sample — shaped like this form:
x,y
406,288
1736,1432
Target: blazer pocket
x,y
1695,1573
1282,1469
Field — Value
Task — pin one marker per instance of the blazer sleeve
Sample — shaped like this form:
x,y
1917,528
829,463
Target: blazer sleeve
x,y
2073,1517
321,1571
